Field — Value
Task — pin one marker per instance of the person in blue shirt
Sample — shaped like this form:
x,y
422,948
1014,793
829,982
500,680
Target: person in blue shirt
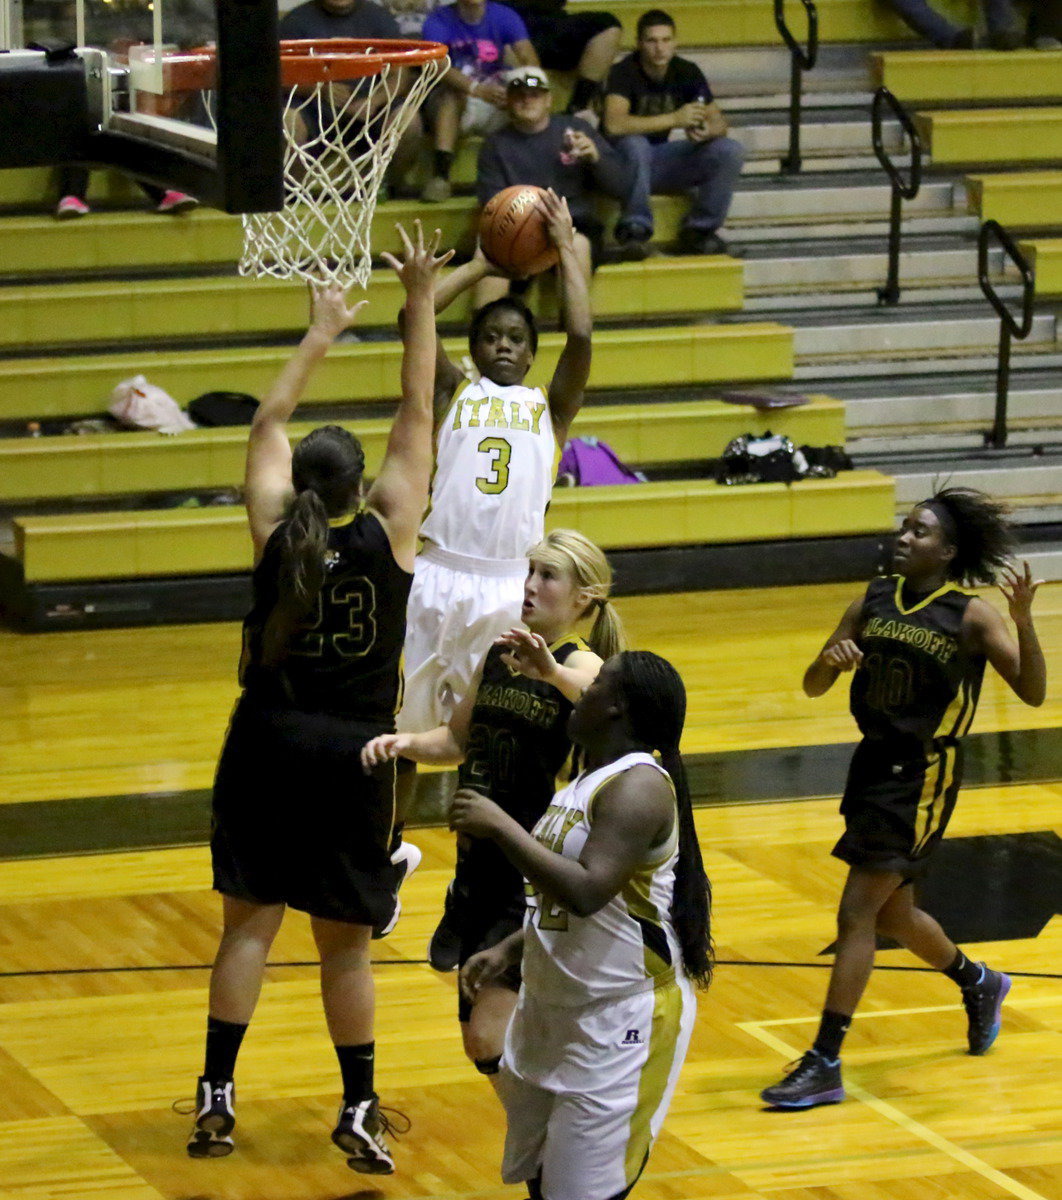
x,y
484,38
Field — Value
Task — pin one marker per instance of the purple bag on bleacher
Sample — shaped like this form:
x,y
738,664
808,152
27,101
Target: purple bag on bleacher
x,y
589,462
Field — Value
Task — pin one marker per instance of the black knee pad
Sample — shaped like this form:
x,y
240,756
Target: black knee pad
x,y
488,1066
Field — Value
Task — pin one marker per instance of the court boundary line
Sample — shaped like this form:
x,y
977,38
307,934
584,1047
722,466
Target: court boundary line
x,y
897,1117
146,968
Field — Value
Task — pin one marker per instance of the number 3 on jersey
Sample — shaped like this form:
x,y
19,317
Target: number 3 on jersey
x,y
498,478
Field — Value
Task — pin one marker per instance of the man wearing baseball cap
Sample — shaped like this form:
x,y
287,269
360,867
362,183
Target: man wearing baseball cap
x,y
550,151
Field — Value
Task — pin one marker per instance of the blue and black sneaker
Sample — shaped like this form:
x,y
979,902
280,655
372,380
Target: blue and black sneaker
x,y
983,1002
810,1080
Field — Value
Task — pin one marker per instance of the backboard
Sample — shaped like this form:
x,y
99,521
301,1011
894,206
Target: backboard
x,y
88,81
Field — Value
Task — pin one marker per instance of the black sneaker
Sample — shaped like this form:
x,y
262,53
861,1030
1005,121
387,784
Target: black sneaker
x,y
811,1080
359,1133
697,241
633,242
214,1119
983,1003
444,949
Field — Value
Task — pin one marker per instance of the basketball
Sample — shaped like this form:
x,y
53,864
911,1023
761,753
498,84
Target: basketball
x,y
513,232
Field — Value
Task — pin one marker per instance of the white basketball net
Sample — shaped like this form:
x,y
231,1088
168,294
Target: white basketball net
x,y
339,141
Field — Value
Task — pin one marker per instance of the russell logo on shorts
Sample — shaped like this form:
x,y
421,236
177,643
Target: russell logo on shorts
x,y
633,1037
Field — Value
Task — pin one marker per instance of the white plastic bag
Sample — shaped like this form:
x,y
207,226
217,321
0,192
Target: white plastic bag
x,y
138,404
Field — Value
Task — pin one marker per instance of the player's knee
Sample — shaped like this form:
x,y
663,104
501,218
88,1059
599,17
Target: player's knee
x,y
488,1066
854,915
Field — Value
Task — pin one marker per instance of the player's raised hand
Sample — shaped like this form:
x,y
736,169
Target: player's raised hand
x,y
330,312
528,653
382,749
1019,589
420,261
558,219
844,655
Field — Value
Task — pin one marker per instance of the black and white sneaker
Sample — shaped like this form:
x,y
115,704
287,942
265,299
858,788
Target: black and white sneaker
x,y
811,1080
215,1118
407,858
444,949
984,1003
360,1134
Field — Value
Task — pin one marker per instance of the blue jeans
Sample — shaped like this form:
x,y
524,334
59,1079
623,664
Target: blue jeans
x,y
708,169
999,15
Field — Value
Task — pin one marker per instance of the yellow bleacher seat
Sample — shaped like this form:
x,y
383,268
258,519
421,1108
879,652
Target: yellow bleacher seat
x,y
123,463
126,545
1045,257
969,76
47,314
36,388
992,135
1020,200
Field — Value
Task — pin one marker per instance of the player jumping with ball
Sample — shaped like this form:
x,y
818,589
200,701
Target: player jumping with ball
x,y
495,459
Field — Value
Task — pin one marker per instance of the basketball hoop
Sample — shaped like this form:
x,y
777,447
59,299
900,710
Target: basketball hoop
x,y
347,102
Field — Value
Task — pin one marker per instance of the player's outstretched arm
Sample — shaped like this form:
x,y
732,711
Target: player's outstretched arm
x,y
447,288
400,493
443,746
1021,662
573,368
841,653
267,476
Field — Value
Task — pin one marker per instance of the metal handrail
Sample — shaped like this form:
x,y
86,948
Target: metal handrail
x,y
902,189
801,59
1009,325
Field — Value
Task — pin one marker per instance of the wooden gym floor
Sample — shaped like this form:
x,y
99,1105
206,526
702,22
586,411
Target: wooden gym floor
x,y
103,956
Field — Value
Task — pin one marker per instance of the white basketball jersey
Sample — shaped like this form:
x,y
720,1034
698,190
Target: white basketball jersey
x,y
627,946
495,458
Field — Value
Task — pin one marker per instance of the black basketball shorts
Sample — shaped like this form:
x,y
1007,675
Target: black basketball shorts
x,y
297,821
561,38
895,811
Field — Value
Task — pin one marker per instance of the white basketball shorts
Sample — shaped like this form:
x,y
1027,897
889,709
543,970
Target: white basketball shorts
x,y
458,605
586,1089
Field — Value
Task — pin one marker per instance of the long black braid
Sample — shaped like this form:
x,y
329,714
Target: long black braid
x,y
656,710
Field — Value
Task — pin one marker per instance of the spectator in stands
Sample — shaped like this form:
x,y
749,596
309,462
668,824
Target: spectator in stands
x,y
411,15
483,38
353,19
559,152
1045,25
584,42
649,94
73,190
1004,27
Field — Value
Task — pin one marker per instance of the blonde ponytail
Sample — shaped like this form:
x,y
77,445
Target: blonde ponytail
x,y
572,554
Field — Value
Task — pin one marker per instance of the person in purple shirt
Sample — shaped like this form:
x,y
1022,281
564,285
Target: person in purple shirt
x,y
483,38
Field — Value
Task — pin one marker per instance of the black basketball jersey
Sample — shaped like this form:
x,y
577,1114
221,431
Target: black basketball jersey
x,y
916,686
517,738
345,657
